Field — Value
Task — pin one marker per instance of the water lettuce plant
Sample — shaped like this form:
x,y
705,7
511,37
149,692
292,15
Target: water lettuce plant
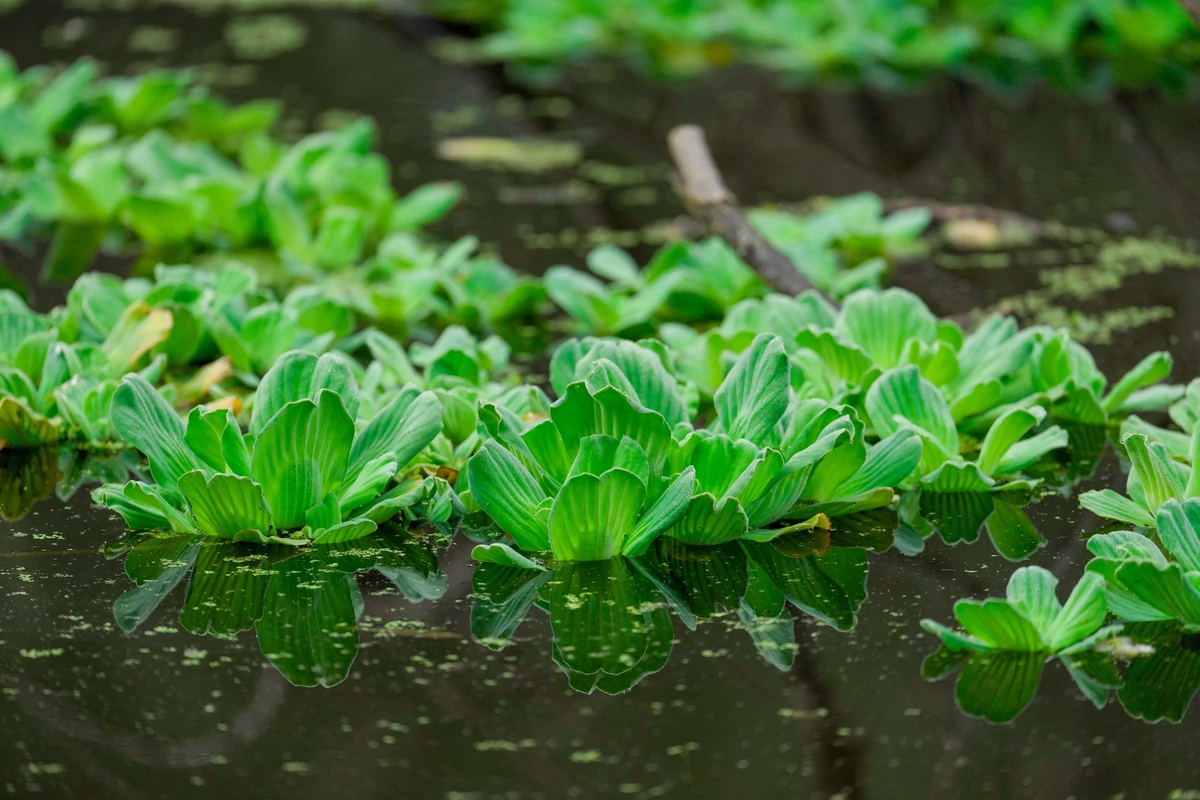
x,y
1006,643
1155,478
178,167
304,473
1072,43
53,389
1151,582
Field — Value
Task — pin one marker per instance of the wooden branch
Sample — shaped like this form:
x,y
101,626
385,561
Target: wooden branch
x,y
703,190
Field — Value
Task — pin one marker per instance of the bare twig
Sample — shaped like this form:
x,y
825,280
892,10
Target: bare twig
x,y
709,200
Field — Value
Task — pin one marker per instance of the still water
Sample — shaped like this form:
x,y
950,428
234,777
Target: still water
x,y
165,668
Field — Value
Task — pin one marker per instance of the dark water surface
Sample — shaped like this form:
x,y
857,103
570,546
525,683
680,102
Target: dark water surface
x,y
427,710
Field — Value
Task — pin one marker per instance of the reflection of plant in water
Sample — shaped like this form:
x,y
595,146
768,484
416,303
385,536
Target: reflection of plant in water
x,y
610,618
1007,642
303,605
27,477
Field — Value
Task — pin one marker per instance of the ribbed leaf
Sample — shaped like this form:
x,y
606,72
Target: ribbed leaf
x,y
301,376
709,522
903,396
1029,451
998,624
510,495
665,512
754,396
403,428
1031,593
348,531
581,413
1150,370
888,463
1156,478
1004,433
593,515
1108,504
21,427
301,456
225,505
882,323
1081,616
1179,529
952,478
652,385
141,417
371,480
1167,589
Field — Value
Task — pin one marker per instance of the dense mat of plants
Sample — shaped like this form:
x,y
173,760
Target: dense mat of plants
x,y
323,368
1076,43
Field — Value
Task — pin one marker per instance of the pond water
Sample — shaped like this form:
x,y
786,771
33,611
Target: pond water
x,y
459,682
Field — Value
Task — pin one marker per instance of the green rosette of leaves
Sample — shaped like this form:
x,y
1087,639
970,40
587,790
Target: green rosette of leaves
x,y
1006,643
1155,478
54,389
587,484
1149,582
303,474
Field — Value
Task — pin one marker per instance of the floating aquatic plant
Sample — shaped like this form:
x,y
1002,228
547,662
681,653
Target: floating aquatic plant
x,y
303,474
1006,644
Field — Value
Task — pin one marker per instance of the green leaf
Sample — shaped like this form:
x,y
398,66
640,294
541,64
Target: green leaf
x,y
142,418
952,478
500,553
372,479
225,505
22,427
887,464
301,376
882,323
301,456
424,205
581,413
998,624
754,396
1082,614
583,297
1157,481
1167,589
1108,504
348,531
666,510
510,495
1029,451
403,428
1179,530
709,521
1004,433
1031,593
592,516
902,398
1150,370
